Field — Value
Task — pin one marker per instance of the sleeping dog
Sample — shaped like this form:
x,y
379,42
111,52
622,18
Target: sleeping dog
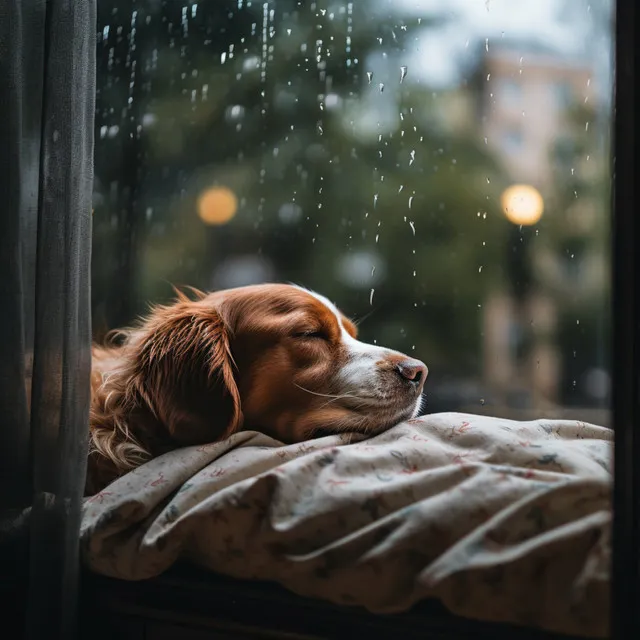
x,y
274,358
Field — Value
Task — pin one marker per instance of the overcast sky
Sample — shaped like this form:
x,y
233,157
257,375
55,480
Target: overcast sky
x,y
474,20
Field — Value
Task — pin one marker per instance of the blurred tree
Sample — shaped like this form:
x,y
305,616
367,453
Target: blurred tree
x,y
332,168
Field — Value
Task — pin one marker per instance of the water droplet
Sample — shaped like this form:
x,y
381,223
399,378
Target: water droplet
x,y
413,228
403,73
586,126
480,269
375,199
381,87
410,201
486,44
412,157
488,181
369,76
371,297
482,401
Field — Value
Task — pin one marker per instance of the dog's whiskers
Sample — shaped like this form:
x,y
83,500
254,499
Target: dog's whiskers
x,y
326,395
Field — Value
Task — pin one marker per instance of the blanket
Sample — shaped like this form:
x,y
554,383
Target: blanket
x,y
499,520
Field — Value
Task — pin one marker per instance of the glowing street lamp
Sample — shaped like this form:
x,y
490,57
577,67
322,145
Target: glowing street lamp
x,y
522,204
217,205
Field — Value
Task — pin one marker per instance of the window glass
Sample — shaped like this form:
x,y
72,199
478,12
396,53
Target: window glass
x,y
363,149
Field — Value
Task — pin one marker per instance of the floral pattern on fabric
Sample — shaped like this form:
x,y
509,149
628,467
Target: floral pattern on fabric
x,y
500,520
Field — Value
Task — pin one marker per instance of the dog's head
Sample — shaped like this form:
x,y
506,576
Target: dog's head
x,y
274,358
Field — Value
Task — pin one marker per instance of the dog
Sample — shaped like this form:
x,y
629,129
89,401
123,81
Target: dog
x,y
274,358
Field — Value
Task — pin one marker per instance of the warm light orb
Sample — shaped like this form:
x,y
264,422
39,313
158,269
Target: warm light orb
x,y
522,204
217,205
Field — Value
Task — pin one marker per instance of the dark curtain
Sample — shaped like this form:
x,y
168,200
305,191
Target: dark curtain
x,y
47,97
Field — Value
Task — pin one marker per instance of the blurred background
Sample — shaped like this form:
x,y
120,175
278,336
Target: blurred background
x,y
441,170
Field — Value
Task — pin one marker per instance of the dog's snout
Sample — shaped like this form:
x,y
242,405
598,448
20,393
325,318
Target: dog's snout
x,y
412,370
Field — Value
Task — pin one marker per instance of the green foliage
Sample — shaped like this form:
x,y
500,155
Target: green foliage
x,y
198,101
435,222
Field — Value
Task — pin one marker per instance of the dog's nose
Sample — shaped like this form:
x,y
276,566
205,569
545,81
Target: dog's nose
x,y
413,370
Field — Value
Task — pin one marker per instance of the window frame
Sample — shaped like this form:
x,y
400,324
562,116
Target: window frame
x,y
625,365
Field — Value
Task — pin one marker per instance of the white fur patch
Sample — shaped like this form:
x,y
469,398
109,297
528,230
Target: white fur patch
x,y
361,374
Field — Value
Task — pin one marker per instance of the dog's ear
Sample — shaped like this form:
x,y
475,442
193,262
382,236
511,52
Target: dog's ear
x,y
184,372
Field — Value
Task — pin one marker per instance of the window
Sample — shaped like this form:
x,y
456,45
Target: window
x,y
511,92
242,141
564,95
512,141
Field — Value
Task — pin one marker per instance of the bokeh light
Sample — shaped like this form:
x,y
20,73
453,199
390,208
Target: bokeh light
x,y
217,205
522,204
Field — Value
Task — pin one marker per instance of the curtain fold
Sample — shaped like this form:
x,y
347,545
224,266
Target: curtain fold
x,y
47,102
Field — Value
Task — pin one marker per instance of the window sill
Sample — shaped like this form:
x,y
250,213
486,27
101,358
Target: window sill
x,y
190,604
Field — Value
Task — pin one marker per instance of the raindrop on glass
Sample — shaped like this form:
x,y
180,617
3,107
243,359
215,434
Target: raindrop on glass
x,y
403,73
